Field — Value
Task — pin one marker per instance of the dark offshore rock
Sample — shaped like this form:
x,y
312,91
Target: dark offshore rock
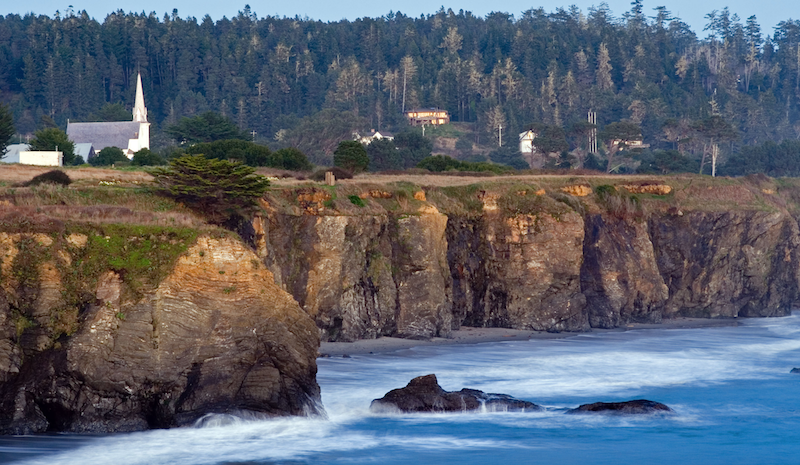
x,y
215,336
619,276
423,394
727,264
795,370
631,407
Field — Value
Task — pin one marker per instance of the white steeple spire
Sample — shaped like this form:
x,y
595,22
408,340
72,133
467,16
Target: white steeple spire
x,y
139,110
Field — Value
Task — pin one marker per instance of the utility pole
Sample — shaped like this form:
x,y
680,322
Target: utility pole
x,y
714,155
254,134
593,133
500,135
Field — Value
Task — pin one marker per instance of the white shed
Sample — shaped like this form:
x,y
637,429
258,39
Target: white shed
x,y
29,157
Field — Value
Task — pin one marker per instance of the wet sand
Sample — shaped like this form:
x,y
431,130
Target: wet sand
x,y
467,335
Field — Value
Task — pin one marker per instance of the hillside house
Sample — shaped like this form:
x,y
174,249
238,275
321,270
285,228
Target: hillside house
x,y
423,116
526,142
628,144
374,135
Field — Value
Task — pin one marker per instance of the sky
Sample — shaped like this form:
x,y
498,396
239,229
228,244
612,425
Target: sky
x,y
768,12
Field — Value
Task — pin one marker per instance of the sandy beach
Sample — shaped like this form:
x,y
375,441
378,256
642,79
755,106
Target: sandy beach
x,y
467,335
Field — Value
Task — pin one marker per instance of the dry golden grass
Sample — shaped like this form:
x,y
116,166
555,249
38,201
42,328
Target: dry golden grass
x,y
96,204
15,174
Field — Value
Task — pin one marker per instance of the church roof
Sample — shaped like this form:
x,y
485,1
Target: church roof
x,y
102,135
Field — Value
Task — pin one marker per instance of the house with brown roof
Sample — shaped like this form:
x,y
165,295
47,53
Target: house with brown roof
x,y
423,116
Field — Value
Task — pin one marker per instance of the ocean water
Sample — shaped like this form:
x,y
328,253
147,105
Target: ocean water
x,y
735,402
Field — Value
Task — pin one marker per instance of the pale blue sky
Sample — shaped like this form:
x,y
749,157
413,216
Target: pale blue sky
x,y
769,12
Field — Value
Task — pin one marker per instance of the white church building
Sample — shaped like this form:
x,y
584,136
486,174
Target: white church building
x,y
130,136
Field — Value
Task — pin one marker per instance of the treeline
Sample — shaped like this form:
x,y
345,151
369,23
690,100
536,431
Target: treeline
x,y
273,76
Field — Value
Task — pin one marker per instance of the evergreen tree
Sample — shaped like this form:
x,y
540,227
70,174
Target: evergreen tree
x,y
6,129
207,127
383,155
54,139
351,155
413,148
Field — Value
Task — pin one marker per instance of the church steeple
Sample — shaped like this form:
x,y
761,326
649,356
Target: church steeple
x,y
139,110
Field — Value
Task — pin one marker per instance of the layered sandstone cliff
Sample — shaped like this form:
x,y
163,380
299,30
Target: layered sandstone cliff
x,y
215,335
527,260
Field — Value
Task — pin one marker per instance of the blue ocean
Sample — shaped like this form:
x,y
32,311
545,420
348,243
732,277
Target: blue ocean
x,y
735,402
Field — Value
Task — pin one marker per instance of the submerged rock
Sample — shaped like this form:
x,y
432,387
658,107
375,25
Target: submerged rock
x,y
795,370
631,407
423,394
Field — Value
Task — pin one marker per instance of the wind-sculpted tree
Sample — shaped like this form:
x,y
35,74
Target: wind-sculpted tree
x,y
220,190
617,136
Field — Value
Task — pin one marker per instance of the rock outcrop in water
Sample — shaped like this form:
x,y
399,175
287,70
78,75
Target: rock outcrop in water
x,y
795,370
216,335
423,394
631,407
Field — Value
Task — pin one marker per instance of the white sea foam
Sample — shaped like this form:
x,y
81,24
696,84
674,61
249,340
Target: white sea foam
x,y
559,374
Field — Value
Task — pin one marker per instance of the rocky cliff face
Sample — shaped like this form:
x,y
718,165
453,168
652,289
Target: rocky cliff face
x,y
519,272
216,335
528,262
619,277
727,264
362,277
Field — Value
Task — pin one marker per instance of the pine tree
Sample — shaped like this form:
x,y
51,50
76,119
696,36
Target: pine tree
x,y
603,76
6,129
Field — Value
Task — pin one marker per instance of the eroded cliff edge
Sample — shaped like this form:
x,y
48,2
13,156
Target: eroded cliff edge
x,y
97,335
421,261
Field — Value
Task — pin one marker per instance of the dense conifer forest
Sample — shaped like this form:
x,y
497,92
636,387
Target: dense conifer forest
x,y
289,78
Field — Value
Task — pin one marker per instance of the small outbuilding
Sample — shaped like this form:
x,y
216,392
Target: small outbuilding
x,y
21,153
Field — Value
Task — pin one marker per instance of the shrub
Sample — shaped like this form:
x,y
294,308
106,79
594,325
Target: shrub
x,y
291,158
356,200
145,157
219,189
620,204
108,156
440,163
51,177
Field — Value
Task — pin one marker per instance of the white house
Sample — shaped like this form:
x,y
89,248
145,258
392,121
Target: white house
x,y
130,136
526,142
374,135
